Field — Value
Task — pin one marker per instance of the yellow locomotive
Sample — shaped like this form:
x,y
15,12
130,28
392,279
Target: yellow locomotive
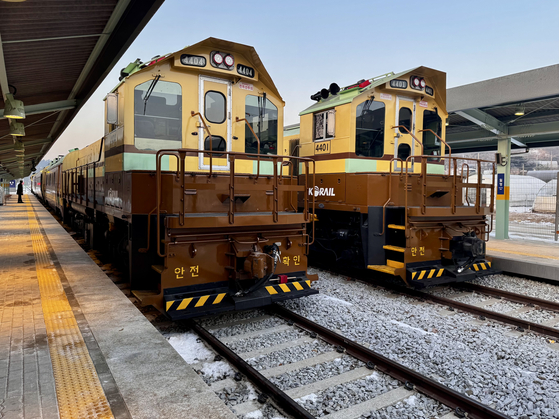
x,y
188,187
390,195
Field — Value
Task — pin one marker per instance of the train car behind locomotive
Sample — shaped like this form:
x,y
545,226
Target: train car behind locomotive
x,y
390,198
188,187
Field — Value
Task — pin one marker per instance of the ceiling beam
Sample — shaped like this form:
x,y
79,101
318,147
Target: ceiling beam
x,y
57,38
518,131
3,75
118,11
17,158
484,120
60,105
29,143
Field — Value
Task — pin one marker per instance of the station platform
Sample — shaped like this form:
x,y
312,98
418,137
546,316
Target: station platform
x,y
525,257
72,345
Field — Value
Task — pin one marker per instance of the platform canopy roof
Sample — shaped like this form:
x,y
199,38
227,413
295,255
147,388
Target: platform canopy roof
x,y
522,106
53,55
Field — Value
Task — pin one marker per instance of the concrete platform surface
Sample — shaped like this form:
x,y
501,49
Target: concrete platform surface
x,y
72,344
525,257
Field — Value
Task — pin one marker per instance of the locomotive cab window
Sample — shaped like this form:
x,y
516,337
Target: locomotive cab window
x,y
217,144
262,115
324,125
157,115
215,107
404,119
431,144
369,129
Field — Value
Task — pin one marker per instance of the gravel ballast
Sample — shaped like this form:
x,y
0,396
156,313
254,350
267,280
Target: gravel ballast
x,y
482,359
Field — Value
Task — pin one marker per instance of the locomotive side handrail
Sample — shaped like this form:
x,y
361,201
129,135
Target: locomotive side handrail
x,y
181,154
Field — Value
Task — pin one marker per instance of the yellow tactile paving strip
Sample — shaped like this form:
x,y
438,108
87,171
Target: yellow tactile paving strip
x,y
78,388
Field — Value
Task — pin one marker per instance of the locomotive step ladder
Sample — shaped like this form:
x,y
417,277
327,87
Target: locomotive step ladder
x,y
394,250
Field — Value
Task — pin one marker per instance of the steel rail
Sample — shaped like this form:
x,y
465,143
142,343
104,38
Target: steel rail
x,y
463,406
522,324
518,298
283,401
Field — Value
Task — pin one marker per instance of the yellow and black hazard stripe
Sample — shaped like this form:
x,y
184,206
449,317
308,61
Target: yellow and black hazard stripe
x,y
288,287
194,302
427,274
481,266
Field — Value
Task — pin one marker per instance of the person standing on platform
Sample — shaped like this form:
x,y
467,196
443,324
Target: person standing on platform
x,y
20,192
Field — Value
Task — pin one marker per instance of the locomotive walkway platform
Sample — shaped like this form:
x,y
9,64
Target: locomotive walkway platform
x,y
525,257
72,345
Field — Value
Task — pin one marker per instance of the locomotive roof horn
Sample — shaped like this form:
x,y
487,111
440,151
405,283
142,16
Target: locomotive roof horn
x,y
324,93
334,89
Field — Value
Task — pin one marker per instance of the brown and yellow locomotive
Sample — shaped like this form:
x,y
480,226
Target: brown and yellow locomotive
x,y
189,187
390,196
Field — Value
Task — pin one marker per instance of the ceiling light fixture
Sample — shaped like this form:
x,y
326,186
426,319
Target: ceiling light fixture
x,y
14,108
519,110
17,129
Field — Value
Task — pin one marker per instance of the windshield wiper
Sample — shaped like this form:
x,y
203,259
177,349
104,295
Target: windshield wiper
x,y
150,91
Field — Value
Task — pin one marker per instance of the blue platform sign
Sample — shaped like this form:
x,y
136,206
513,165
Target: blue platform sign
x,y
12,183
500,183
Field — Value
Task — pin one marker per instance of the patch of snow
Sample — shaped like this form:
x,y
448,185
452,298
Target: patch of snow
x,y
336,300
217,370
312,397
189,348
257,414
410,401
374,376
407,326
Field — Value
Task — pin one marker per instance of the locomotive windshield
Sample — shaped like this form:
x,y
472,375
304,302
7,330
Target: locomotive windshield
x,y
264,122
431,144
157,115
369,129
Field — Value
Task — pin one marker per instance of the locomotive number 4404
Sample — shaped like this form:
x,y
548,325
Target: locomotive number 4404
x,y
322,147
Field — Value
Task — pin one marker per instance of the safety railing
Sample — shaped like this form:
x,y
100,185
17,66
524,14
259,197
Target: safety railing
x,y
458,182
279,163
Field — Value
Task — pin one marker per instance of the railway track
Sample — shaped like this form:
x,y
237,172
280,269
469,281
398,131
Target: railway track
x,y
410,382
545,328
483,313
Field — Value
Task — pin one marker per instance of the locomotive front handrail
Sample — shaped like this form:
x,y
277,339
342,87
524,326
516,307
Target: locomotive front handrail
x,y
180,155
192,113
413,136
443,141
257,141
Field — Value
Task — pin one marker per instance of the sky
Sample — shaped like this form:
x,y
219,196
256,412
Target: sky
x,y
307,45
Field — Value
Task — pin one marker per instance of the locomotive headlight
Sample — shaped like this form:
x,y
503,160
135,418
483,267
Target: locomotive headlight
x,y
218,58
422,83
416,82
229,61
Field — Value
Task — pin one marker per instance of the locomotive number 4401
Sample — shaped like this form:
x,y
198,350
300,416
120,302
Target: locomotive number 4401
x,y
322,147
